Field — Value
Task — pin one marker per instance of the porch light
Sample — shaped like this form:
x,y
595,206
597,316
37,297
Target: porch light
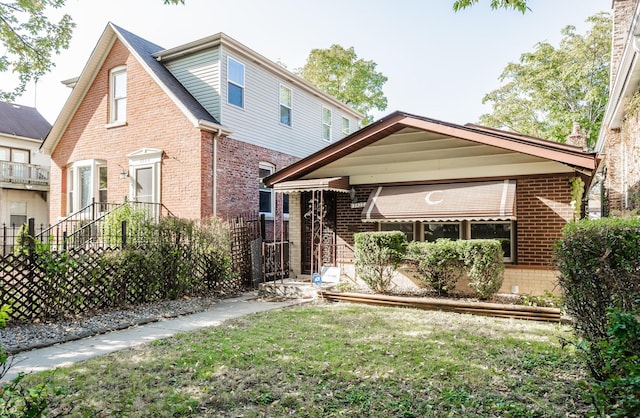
x,y
352,195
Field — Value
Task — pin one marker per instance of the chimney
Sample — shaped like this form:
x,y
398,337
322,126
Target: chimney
x,y
577,137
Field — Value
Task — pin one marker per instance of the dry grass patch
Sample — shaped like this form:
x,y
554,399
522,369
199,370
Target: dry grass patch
x,y
337,360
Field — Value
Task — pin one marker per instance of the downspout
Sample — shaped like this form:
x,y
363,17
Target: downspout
x,y
215,171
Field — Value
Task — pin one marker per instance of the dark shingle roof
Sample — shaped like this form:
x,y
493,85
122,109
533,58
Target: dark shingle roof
x,y
145,49
22,121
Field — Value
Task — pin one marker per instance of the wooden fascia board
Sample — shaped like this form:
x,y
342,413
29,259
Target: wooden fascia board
x,y
565,157
361,139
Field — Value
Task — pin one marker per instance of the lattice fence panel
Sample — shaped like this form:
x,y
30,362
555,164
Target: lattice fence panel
x,y
88,279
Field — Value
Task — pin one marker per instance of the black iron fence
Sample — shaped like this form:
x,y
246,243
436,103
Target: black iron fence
x,y
14,234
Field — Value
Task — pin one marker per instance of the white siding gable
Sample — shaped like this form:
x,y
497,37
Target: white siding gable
x,y
199,73
259,121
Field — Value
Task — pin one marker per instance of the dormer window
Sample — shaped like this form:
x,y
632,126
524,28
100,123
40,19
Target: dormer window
x,y
118,95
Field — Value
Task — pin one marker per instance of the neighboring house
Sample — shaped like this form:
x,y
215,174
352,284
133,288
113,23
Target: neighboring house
x,y
619,138
194,128
24,173
433,180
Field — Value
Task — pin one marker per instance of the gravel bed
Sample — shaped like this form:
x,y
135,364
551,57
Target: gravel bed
x,y
21,336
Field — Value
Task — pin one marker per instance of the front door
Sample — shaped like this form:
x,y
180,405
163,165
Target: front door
x,y
318,230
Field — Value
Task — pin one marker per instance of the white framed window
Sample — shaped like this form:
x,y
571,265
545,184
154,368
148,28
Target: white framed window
x,y
326,123
286,105
85,185
346,126
433,231
17,213
266,194
502,231
118,95
406,227
235,82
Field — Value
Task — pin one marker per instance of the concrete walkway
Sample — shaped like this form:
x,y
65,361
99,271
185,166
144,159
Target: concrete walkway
x,y
74,351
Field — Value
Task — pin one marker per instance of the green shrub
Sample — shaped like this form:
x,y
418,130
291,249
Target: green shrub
x,y
377,255
439,263
17,400
484,260
599,265
139,225
616,393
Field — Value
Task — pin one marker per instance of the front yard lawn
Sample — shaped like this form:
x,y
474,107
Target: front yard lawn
x,y
337,360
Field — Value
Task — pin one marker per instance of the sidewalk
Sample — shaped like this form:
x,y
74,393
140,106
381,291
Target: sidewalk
x,y
74,351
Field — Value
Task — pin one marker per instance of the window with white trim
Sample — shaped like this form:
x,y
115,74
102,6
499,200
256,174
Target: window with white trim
x,y
266,194
326,123
346,126
118,95
286,105
86,183
498,230
235,82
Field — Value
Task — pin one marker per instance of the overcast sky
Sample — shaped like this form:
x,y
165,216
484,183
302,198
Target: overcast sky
x,y
439,63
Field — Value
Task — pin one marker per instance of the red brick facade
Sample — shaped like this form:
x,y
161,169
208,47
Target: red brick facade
x,y
543,206
154,121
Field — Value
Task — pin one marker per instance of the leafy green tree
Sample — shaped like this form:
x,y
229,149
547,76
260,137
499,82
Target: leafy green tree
x,y
519,5
352,80
551,88
30,39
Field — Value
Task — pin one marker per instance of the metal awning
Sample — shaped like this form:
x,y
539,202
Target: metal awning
x,y
336,184
475,201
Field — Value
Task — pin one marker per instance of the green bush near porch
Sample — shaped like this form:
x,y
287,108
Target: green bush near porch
x,y
377,256
442,263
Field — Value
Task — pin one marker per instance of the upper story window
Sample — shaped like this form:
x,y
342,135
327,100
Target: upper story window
x,y
266,194
14,155
118,95
235,82
285,105
326,124
346,126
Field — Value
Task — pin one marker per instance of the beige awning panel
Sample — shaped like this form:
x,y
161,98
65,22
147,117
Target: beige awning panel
x,y
336,184
476,201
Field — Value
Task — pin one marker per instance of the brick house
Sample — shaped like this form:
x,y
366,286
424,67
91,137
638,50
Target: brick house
x,y
433,179
619,137
24,173
193,128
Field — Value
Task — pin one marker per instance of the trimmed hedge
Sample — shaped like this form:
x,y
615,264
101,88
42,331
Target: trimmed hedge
x,y
441,264
377,255
599,264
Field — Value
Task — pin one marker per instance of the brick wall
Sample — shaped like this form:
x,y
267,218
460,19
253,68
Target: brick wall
x,y
622,153
543,208
153,121
622,17
238,180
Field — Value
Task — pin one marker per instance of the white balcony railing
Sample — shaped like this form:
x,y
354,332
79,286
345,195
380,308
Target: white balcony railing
x,y
21,173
